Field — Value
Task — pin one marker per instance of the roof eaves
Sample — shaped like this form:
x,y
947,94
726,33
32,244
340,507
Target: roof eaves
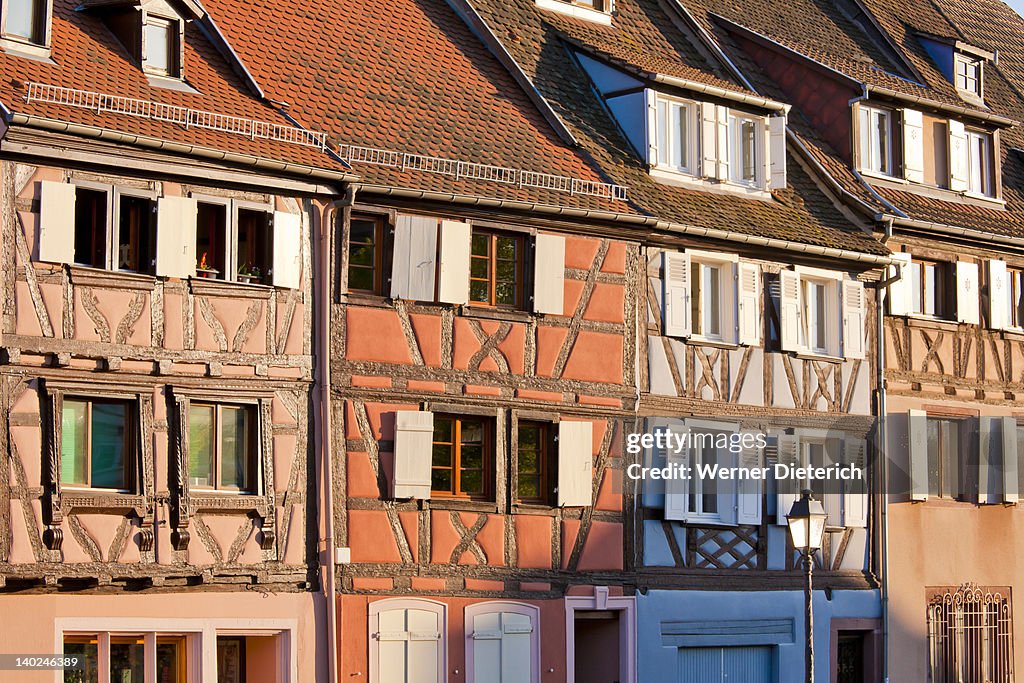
x,y
483,32
722,93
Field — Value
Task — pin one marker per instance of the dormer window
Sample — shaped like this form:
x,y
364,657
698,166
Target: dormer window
x,y
676,141
596,11
979,163
876,140
744,138
25,20
161,46
967,71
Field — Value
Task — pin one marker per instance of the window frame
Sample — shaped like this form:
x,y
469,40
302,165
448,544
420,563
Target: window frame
x,y
488,460
547,461
695,494
40,47
231,208
687,166
983,163
254,458
132,448
736,150
968,61
176,32
871,145
963,457
940,299
381,251
112,225
1015,287
521,242
831,311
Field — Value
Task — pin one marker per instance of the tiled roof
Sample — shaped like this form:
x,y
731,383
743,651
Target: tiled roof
x,y
407,76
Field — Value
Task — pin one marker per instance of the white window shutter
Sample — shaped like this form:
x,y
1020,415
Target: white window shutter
x,y
854,317
415,255
900,292
709,140
917,445
414,440
502,648
176,236
748,490
913,146
749,303
56,222
998,295
549,274
787,490
408,643
575,464
722,114
968,302
855,494
677,489
958,155
453,285
776,152
990,437
676,293
789,310
287,250
1011,492
652,126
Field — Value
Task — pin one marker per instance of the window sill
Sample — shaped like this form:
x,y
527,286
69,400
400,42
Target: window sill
x,y
697,340
814,355
503,314
1012,333
935,192
585,13
536,509
26,50
229,500
76,498
461,504
932,323
170,83
98,277
692,182
228,288
366,299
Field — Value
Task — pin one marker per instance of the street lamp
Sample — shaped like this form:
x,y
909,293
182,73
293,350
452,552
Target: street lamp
x,y
806,521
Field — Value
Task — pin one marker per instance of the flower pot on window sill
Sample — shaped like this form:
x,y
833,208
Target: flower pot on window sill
x,y
249,279
209,273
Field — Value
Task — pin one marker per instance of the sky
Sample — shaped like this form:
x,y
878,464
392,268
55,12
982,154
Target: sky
x,y
1017,5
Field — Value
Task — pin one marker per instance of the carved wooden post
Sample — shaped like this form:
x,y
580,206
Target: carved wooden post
x,y
50,413
269,525
180,511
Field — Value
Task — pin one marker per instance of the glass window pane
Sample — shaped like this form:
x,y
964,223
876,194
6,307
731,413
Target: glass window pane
x,y
86,649
479,290
472,481
360,278
135,236
507,248
505,293
712,305
472,431
930,288
91,227
73,445
24,19
481,245
441,480
748,150
443,430
951,462
127,657
472,457
663,141
934,457
161,41
360,255
529,487
200,446
679,154
915,287
237,447
361,231
170,660
442,455
109,436
211,240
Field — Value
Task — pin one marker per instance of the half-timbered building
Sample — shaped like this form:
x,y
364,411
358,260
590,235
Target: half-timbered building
x,y
157,520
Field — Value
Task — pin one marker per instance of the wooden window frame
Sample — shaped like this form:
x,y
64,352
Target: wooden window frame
x,y
492,267
666,146
988,164
969,61
381,229
253,459
602,6
131,445
941,300
231,209
830,303
112,225
488,464
177,51
1015,312
736,121
887,156
963,460
32,44
547,462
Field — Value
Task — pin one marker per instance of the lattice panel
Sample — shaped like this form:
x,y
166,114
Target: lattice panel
x,y
722,548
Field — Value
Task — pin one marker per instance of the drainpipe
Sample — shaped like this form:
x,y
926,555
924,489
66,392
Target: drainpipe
x,y
323,385
883,499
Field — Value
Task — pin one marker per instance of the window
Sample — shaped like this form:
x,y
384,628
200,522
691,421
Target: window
x,y
945,463
970,637
979,163
496,269
815,314
97,443
968,74
462,457
86,649
254,240
706,299
366,257
876,140
704,495
534,463
1015,297
744,144
240,250
91,227
599,5
929,288
223,447
136,235
502,643
211,240
161,48
675,141
126,655
112,216
26,20
407,641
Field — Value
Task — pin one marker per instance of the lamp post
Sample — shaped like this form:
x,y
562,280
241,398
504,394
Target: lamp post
x,y
806,520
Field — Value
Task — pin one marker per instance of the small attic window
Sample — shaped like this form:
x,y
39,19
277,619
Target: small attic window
x,y
596,11
161,46
25,20
967,74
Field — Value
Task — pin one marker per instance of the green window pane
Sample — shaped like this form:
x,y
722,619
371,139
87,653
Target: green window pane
x,y
478,291
360,278
200,446
361,232
443,430
505,293
361,255
481,245
236,448
478,267
73,447
472,456
506,271
442,456
86,649
528,462
441,480
127,661
472,432
506,248
472,481
529,487
109,432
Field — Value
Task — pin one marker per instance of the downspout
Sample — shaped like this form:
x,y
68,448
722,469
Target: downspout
x,y
883,498
327,549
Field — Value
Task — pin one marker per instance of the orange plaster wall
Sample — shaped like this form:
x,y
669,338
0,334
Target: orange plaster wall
x,y
375,334
360,478
443,537
580,252
428,334
370,537
603,548
615,261
549,343
570,529
533,541
596,357
607,304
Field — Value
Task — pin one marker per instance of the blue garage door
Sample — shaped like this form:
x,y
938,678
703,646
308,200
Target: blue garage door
x,y
725,665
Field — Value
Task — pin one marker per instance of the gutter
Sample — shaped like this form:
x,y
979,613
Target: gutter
x,y
722,93
644,221
995,119
880,448
262,163
952,230
483,32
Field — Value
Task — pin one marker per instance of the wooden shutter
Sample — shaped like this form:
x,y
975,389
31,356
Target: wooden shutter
x,y
414,439
722,116
287,250
990,438
453,285
900,292
788,489
549,274
502,648
748,491
913,146
958,156
708,140
1011,492
917,445
968,303
408,646
415,253
176,236
776,171
998,295
676,293
651,99
56,222
677,489
749,303
854,316
855,493
575,464
789,310
728,501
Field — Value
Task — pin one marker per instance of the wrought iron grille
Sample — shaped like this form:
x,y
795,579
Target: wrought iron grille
x,y
970,636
